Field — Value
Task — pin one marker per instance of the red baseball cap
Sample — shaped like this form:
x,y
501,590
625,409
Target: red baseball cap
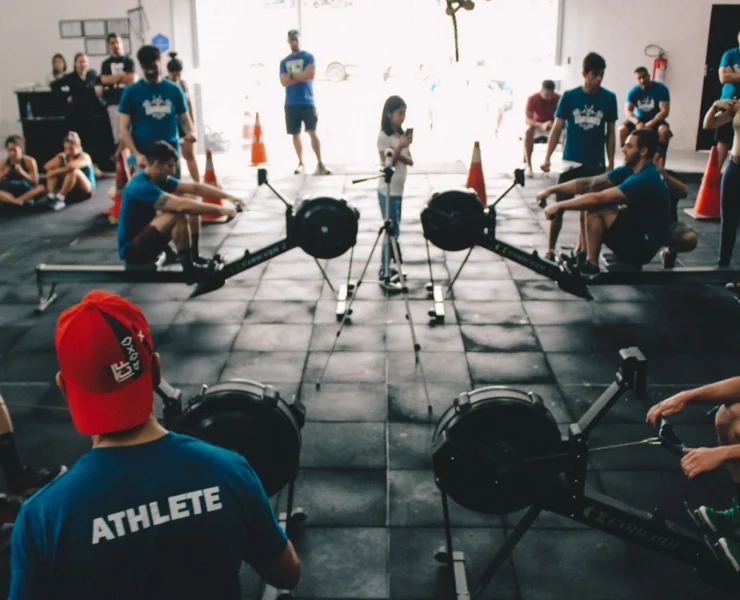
x,y
104,348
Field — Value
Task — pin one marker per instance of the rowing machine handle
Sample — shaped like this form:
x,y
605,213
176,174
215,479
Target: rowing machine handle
x,y
668,437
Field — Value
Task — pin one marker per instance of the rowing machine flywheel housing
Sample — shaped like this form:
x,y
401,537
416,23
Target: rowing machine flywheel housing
x,y
454,220
497,422
325,227
251,419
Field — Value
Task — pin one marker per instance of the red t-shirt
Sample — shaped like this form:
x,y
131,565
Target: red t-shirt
x,y
542,110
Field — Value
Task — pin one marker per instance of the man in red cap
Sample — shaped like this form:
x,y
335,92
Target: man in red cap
x,y
146,513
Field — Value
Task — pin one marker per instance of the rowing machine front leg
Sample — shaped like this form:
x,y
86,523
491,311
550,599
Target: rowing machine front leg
x,y
45,300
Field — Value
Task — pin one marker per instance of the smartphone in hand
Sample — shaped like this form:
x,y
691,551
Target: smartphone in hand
x,y
410,133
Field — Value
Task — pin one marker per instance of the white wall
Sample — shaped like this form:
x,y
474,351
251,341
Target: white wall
x,y
619,30
30,38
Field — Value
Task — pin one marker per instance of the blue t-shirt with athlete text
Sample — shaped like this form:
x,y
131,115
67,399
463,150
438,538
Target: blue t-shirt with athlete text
x,y
298,94
172,518
647,101
731,58
648,202
154,109
586,116
137,206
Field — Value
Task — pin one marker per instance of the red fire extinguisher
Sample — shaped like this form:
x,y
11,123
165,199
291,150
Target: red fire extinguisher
x,y
660,62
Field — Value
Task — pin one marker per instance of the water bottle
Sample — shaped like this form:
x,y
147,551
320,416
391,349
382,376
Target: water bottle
x,y
29,112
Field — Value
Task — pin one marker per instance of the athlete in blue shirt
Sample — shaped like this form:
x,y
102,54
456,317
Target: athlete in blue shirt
x,y
637,229
153,212
297,72
152,108
729,77
145,513
588,113
648,105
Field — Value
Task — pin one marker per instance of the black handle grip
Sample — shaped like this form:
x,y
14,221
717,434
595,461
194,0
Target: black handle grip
x,y
668,437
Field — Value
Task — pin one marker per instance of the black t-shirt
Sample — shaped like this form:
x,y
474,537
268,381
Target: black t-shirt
x,y
81,92
115,65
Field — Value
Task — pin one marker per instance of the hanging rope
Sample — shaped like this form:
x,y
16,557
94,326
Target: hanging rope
x,y
454,27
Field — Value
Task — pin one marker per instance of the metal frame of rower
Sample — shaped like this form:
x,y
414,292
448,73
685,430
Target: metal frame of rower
x,y
563,272
160,273
566,495
288,519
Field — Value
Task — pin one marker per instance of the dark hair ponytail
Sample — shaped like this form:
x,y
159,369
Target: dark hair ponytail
x,y
391,105
175,64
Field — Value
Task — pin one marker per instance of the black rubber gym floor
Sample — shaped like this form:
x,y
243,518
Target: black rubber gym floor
x,y
374,512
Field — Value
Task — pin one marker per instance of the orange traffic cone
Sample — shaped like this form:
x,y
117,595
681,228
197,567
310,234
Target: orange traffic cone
x,y
210,179
259,154
122,178
475,175
707,201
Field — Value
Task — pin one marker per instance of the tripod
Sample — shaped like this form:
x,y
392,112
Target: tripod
x,y
391,243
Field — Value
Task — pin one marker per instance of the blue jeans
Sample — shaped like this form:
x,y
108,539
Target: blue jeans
x,y
395,217
730,204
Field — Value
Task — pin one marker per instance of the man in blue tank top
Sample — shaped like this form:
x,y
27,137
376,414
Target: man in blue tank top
x,y
588,114
145,513
627,209
297,72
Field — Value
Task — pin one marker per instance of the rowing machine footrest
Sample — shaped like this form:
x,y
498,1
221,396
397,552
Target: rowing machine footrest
x,y
611,262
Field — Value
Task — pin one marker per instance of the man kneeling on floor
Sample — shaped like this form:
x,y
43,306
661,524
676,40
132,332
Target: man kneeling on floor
x,y
628,209
153,212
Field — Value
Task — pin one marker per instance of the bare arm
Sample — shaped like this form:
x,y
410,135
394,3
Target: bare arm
x,y
726,391
629,109
285,572
720,113
175,204
611,144
609,197
307,74
286,81
554,138
124,122
31,171
583,185
728,75
110,79
665,110
203,189
529,117
186,123
676,187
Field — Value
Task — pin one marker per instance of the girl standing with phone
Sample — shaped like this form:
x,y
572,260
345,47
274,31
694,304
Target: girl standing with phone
x,y
393,137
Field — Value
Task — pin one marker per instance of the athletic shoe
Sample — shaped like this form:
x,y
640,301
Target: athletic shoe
x,y
33,479
550,255
390,285
668,258
200,260
300,169
731,551
721,521
322,169
590,269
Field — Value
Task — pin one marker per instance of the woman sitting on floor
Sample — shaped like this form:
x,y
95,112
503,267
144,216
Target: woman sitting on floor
x,y
70,176
19,175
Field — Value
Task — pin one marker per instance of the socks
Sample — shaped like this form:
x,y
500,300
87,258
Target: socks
x,y
186,259
10,461
194,238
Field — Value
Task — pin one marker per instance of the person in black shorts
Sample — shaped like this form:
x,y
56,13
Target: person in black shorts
x,y
627,209
648,105
588,113
154,211
297,71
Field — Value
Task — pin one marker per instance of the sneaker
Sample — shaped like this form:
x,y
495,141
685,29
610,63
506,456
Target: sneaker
x,y
390,285
731,551
300,169
668,258
33,479
57,204
721,521
322,169
589,268
550,255
200,260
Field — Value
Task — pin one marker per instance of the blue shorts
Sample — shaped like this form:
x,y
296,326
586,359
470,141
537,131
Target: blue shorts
x,y
14,187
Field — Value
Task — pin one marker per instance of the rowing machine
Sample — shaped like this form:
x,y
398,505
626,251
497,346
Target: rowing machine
x,y
455,220
497,450
322,227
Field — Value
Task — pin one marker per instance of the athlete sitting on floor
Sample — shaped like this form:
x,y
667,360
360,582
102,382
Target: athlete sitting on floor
x,y
628,209
74,168
146,513
153,212
19,175
699,460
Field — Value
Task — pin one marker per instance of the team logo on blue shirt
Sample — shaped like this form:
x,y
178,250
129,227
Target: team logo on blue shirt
x,y
588,118
294,66
157,107
646,104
